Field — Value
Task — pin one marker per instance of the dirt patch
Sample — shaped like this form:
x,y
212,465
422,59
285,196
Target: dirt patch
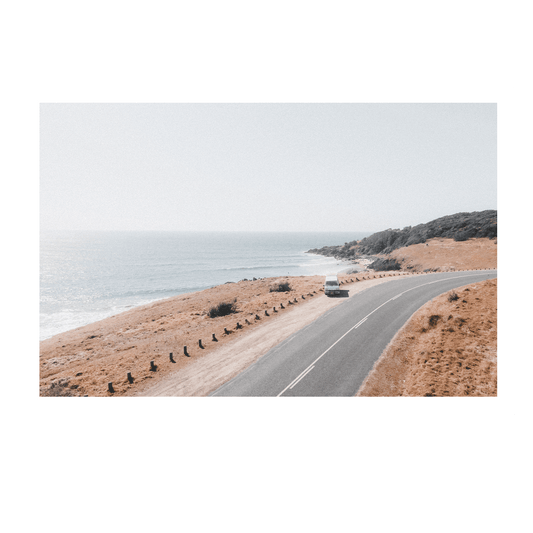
x,y
447,348
83,361
442,255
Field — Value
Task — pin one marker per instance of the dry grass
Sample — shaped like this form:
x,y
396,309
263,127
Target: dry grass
x,y
447,254
447,348
91,356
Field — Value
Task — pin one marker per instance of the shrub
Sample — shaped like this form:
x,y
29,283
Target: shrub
x,y
58,388
222,309
282,286
433,319
453,296
465,235
385,264
461,227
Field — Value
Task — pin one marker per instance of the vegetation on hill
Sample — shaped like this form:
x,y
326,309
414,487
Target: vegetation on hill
x,y
460,227
385,264
280,286
222,309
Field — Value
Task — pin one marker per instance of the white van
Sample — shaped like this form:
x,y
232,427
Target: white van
x,y
332,285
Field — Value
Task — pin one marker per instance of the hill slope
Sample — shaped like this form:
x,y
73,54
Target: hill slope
x,y
460,227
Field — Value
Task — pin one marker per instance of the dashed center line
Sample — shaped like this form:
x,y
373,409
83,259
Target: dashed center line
x,y
312,365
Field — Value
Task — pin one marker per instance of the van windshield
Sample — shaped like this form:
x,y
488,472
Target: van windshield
x,y
329,283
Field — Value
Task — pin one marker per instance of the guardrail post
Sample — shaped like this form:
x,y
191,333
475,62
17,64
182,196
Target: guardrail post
x,y
110,387
153,367
171,357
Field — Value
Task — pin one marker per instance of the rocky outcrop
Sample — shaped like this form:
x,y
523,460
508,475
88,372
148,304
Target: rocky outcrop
x,y
460,227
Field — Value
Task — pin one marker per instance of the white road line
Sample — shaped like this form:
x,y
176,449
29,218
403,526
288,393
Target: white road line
x,y
311,366
302,376
292,383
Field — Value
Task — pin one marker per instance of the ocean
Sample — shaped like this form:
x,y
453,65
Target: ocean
x,y
88,276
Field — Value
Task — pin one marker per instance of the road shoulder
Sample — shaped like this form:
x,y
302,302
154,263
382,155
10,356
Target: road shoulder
x,y
446,348
211,371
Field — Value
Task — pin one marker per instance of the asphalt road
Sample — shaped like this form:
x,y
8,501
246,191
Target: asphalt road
x,y
333,355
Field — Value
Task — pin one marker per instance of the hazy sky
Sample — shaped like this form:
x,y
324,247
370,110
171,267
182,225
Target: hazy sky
x,y
263,167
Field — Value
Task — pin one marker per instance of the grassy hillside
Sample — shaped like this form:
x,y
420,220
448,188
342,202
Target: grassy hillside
x,y
460,227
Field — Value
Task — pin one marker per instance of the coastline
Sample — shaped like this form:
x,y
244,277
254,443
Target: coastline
x,y
70,317
84,360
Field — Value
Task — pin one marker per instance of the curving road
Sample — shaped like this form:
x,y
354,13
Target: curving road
x,y
333,355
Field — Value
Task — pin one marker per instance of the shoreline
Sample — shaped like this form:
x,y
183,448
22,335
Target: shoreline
x,y
84,360
139,341
126,308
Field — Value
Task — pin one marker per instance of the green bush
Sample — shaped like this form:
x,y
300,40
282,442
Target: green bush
x,y
222,309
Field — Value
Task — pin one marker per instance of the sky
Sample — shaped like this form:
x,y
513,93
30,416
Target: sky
x,y
263,167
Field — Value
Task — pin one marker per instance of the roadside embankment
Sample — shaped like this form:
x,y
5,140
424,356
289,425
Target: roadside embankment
x,y
85,360
441,255
447,348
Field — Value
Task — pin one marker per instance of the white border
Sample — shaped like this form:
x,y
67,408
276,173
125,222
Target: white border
x,y
30,98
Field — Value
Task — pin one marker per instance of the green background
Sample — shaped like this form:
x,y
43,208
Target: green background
x,y
259,474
